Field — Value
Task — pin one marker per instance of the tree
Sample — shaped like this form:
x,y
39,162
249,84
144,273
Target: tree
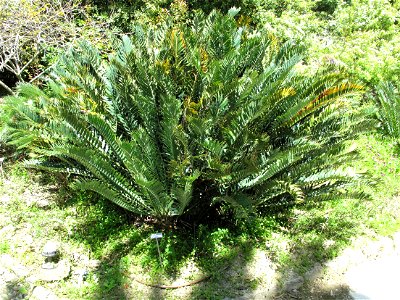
x,y
184,118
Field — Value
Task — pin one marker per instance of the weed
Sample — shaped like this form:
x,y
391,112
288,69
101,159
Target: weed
x,y
4,247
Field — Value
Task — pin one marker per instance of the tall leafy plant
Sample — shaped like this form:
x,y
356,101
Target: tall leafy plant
x,y
388,98
181,119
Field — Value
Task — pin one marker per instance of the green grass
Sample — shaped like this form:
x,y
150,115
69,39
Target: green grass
x,y
381,158
4,247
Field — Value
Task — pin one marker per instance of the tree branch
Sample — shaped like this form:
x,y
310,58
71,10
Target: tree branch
x,y
10,91
29,62
41,73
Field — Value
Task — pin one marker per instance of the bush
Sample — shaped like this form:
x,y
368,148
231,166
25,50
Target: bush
x,y
327,6
187,118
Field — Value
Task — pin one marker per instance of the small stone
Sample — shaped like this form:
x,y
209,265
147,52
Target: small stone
x,y
94,263
50,249
41,293
61,271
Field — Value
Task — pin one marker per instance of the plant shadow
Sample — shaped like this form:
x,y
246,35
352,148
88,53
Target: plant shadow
x,y
223,254
226,258
129,262
13,290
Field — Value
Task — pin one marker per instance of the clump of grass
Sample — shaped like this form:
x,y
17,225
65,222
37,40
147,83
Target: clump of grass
x,y
4,247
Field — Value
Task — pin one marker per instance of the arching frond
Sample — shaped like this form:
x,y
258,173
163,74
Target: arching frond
x,y
183,117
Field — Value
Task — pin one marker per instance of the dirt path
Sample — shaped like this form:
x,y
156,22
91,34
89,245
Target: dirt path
x,y
366,270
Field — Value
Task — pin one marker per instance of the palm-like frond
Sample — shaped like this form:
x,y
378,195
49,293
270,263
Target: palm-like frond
x,y
211,108
388,96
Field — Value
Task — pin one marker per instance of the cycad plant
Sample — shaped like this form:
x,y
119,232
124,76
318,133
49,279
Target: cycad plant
x,y
181,119
388,98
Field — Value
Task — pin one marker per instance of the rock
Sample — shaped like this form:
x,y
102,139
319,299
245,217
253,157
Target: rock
x,y
40,293
94,263
293,282
60,272
7,229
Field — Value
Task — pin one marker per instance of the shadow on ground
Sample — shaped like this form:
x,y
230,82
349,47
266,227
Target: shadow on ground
x,y
12,290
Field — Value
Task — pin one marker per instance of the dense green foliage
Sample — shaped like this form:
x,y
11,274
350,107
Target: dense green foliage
x,y
182,118
388,97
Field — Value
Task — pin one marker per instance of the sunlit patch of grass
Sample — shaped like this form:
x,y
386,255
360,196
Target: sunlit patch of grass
x,y
380,156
